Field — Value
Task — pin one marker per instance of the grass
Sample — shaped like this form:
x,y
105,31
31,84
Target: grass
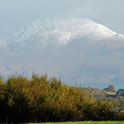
x,y
88,122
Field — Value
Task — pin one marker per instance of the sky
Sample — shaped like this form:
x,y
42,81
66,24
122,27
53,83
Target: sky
x,y
15,14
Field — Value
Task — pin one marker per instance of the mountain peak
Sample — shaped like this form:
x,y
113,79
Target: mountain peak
x,y
62,30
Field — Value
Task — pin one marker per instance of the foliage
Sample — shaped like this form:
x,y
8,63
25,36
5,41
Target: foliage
x,y
43,99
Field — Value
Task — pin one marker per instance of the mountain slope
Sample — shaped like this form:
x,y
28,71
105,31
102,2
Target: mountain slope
x,y
76,50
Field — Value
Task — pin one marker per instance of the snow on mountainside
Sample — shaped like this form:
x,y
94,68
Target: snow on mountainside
x,y
76,50
62,30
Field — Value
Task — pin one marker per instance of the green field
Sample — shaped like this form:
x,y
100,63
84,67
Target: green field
x,y
89,122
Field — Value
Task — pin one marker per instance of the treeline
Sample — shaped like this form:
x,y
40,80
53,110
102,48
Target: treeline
x,y
43,99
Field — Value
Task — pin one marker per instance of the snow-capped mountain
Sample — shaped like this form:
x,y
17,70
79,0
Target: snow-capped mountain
x,y
76,50
62,31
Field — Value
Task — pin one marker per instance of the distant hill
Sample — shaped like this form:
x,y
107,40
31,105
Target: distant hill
x,y
110,88
98,92
105,93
